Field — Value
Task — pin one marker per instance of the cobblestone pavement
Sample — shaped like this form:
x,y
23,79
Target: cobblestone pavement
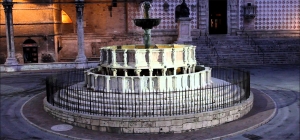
x,y
281,83
16,88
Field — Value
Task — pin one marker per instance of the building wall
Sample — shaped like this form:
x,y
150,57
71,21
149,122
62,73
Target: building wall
x,y
275,15
102,26
35,21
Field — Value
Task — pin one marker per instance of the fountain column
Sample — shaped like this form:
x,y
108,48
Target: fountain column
x,y
147,23
147,38
81,58
11,58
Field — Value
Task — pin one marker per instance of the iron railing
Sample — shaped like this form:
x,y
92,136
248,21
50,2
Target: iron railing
x,y
254,45
231,87
213,48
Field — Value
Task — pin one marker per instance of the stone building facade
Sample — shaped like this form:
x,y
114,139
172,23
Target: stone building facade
x,y
49,28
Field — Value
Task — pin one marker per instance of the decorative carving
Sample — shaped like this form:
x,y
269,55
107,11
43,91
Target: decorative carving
x,y
125,57
279,15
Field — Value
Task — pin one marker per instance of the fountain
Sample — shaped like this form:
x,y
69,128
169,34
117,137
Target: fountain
x,y
147,23
148,89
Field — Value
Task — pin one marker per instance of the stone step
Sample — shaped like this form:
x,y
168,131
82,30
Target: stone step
x,y
131,106
145,99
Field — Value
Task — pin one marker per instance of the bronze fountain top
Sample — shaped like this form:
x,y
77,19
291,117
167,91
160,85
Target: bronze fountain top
x,y
147,23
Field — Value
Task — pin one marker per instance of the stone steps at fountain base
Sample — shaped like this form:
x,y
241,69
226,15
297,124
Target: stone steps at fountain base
x,y
150,105
113,105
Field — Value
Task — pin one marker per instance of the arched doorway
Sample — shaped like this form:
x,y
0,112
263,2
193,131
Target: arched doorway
x,y
30,51
217,16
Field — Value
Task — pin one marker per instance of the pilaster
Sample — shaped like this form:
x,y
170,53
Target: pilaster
x,y
233,12
203,16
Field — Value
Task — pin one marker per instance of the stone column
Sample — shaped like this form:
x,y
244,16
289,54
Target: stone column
x,y
107,81
194,54
173,56
138,72
107,56
125,72
81,58
96,82
175,70
88,77
113,57
163,59
101,56
137,56
151,72
164,72
149,57
114,71
125,57
11,58
185,70
193,68
185,55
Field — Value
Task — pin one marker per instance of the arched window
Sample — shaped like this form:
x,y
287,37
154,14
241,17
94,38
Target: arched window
x,y
65,17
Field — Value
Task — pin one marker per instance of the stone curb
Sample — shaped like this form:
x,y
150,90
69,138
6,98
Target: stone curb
x,y
43,129
252,127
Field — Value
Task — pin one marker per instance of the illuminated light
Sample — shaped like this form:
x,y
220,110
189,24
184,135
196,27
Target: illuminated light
x,y
65,17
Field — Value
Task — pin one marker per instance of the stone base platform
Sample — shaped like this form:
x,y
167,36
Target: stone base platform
x,y
260,114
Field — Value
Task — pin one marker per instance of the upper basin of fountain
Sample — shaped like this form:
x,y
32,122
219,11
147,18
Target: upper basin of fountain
x,y
147,23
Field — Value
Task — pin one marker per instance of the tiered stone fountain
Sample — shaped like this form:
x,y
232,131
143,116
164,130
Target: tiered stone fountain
x,y
148,68
148,89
